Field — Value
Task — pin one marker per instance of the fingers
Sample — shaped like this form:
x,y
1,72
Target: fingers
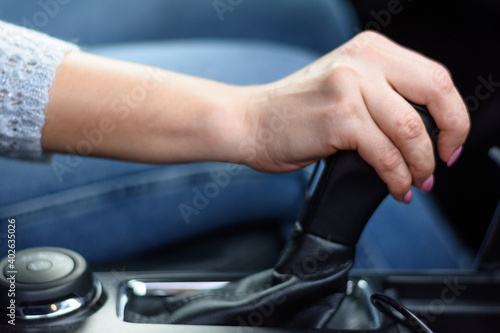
x,y
422,81
361,132
429,83
404,127
391,74
378,150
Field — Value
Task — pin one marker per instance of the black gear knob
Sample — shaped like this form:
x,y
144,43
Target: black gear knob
x,y
347,194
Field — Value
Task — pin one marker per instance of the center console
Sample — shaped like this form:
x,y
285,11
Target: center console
x,y
134,302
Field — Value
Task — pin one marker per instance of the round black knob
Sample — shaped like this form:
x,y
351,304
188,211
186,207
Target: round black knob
x,y
45,283
42,266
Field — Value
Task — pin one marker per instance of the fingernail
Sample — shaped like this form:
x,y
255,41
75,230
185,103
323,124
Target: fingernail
x,y
455,156
427,185
408,196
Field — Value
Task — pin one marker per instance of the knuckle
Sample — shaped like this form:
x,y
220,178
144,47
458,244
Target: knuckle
x,y
459,124
364,44
421,162
368,36
401,185
410,127
441,80
463,125
390,160
339,77
340,73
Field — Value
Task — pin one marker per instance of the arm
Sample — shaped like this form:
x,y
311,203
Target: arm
x,y
109,108
351,99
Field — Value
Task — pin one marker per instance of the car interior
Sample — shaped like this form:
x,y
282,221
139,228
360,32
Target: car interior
x,y
258,276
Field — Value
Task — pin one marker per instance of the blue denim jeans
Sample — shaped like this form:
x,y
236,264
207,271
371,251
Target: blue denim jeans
x,y
108,210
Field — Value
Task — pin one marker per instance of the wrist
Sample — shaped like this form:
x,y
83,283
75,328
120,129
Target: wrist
x,y
234,124
243,114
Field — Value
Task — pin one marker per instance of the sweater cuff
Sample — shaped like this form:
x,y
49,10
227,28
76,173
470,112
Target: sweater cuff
x,y
28,64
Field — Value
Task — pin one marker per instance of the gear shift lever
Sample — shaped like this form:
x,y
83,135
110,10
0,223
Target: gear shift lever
x,y
347,194
308,283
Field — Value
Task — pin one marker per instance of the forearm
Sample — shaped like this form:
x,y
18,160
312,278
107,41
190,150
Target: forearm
x,y
108,108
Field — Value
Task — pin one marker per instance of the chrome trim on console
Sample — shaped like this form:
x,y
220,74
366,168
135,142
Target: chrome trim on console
x,y
61,308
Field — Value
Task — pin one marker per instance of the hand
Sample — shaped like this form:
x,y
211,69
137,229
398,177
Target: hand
x,y
354,99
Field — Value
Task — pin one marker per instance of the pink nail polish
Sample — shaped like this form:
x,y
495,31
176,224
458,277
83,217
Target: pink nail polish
x,y
427,185
408,196
455,156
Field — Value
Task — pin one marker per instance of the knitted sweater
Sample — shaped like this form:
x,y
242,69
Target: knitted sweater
x,y
28,62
